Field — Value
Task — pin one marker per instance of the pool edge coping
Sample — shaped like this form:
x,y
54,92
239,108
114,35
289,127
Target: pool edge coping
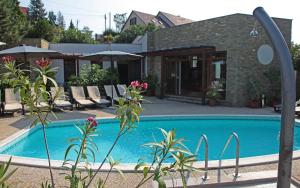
x,y
129,167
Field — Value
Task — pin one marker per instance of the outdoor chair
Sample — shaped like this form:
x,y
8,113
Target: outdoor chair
x,y
95,96
40,103
62,101
109,90
12,101
277,108
121,89
79,96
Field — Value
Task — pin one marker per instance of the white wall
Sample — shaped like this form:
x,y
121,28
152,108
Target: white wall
x,y
59,63
106,64
82,63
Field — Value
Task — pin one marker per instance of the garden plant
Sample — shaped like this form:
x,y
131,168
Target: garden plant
x,y
79,173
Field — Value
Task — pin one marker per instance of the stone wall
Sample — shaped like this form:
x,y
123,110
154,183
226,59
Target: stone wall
x,y
36,42
228,33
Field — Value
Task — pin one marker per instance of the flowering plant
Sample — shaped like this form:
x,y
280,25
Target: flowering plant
x,y
33,92
43,63
8,59
83,146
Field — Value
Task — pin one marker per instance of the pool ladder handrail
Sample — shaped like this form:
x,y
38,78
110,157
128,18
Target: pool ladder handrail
x,y
202,138
237,154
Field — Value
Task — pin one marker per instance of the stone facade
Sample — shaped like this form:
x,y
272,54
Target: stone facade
x,y
228,33
36,42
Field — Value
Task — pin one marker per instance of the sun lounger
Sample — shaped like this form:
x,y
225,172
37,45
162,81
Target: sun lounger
x,y
12,101
79,96
40,103
111,92
95,96
61,101
122,89
277,108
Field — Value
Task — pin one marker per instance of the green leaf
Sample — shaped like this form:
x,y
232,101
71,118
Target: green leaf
x,y
161,183
145,171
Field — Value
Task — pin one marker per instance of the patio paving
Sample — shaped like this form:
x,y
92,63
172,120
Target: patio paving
x,y
154,106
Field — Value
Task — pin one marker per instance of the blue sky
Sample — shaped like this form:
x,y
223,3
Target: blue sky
x,y
91,12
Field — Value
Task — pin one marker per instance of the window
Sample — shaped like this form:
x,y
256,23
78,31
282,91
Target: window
x,y
133,21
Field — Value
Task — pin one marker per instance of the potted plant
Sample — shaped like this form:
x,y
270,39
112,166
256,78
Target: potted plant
x,y
152,82
213,94
255,92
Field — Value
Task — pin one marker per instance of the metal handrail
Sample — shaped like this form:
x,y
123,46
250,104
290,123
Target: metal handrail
x,y
237,154
202,138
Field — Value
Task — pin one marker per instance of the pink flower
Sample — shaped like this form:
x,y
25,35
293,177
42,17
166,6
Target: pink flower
x,y
93,122
135,84
7,59
42,63
144,85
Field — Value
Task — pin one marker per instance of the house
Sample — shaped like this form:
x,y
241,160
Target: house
x,y
161,20
187,58
24,10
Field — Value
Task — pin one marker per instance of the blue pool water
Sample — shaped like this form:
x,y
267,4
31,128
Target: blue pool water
x,y
258,136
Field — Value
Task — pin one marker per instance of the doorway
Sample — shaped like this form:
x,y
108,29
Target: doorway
x,y
123,73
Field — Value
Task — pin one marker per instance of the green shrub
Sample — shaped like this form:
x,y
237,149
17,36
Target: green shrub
x,y
93,75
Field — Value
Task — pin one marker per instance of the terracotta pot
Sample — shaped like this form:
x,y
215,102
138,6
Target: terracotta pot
x,y
254,104
212,102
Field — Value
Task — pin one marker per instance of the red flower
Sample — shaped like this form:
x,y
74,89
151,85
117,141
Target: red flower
x,y
144,85
7,59
93,122
135,84
42,63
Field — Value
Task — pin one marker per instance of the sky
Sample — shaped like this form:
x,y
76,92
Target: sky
x,y
91,12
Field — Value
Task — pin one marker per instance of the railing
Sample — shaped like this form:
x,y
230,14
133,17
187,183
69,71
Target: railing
x,y
202,138
237,154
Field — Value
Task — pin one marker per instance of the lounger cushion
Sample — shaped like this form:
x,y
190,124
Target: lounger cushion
x,y
62,103
101,101
84,102
42,104
108,90
12,107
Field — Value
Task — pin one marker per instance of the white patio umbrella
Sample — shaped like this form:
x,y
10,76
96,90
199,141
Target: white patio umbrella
x,y
2,43
112,56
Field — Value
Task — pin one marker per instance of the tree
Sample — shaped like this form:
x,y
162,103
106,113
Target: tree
x,y
120,20
133,31
71,26
60,21
52,17
110,32
36,10
42,29
78,36
13,23
295,53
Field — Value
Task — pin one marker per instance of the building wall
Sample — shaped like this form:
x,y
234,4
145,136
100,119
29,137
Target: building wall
x,y
227,33
59,64
138,21
36,42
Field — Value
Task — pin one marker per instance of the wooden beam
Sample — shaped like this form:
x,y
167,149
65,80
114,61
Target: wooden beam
x,y
163,76
203,81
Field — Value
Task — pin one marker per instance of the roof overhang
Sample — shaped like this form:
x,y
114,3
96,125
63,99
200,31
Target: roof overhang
x,y
178,51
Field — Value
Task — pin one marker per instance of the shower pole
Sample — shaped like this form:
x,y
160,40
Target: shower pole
x,y
288,93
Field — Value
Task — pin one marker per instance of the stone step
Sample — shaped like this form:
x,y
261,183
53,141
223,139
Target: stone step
x,y
185,99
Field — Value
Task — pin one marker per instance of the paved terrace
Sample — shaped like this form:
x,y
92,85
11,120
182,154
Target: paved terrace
x,y
11,124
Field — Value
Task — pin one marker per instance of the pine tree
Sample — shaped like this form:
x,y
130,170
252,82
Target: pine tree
x,y
60,21
13,23
36,10
52,17
71,26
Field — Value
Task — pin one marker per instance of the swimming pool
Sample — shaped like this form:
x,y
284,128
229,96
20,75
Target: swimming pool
x,y
258,136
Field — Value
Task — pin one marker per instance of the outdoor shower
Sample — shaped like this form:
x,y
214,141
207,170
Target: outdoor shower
x,y
288,94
